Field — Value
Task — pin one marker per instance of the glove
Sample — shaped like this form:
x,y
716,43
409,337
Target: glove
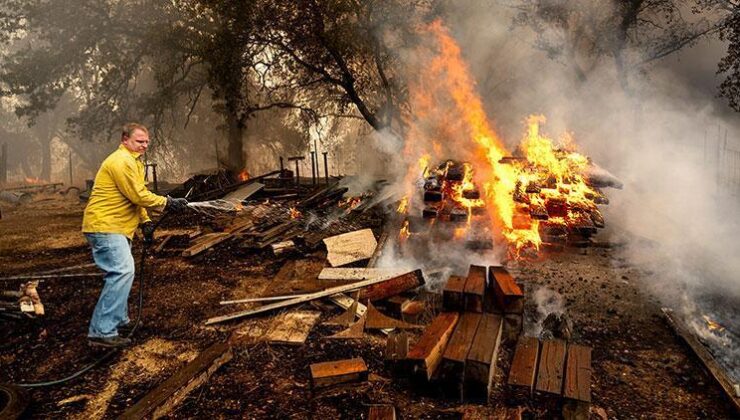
x,y
176,204
147,230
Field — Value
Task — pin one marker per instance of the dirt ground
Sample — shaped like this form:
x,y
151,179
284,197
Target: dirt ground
x,y
640,369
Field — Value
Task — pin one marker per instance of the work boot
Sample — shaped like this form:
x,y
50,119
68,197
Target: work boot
x,y
109,342
126,329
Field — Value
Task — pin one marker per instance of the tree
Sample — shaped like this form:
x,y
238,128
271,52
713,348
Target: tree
x,y
729,31
134,60
343,53
632,33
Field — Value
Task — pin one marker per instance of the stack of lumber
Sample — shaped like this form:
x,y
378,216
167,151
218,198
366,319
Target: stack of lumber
x,y
552,372
489,290
458,350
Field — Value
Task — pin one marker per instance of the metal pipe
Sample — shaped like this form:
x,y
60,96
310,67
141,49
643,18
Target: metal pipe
x,y
326,168
313,168
297,174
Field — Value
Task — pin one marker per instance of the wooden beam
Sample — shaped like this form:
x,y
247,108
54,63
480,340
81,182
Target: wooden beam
x,y
523,369
452,370
381,412
453,295
295,301
393,286
550,369
509,296
705,357
336,372
427,353
481,362
578,373
159,402
475,288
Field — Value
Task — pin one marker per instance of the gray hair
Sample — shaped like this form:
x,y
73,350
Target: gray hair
x,y
129,128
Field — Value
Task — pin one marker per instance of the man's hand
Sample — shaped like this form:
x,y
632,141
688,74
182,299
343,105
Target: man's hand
x,y
147,230
176,204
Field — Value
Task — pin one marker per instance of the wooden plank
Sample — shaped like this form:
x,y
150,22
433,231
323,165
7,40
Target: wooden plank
x,y
381,412
346,318
350,247
244,192
397,345
524,363
354,331
475,288
509,296
162,244
344,301
706,358
377,320
453,295
378,249
393,286
578,373
159,402
480,365
452,369
290,302
292,327
551,367
336,372
412,310
205,242
262,299
347,273
427,353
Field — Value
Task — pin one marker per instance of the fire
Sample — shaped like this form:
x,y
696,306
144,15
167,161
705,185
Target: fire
x,y
712,325
403,206
243,175
350,203
404,233
543,189
35,181
294,213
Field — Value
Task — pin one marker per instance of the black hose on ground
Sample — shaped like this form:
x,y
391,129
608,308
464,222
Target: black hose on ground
x,y
107,355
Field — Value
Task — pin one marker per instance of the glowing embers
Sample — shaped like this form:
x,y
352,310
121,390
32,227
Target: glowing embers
x,y
450,194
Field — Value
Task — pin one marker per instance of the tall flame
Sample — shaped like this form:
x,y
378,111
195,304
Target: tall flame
x,y
448,113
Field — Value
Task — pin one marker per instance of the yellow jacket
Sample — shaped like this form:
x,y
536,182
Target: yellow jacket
x,y
119,198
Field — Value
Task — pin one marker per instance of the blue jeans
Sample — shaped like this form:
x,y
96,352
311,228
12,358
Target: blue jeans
x,y
112,254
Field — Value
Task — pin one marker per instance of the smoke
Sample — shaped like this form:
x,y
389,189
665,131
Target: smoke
x,y
665,135
547,301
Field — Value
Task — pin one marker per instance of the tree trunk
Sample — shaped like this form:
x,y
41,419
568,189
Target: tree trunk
x,y
45,143
235,157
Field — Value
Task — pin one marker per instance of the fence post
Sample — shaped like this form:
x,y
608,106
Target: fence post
x,y
4,164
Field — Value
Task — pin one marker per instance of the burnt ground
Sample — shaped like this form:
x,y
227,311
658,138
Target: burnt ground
x,y
640,369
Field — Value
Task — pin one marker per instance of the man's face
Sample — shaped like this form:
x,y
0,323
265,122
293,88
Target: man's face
x,y
137,142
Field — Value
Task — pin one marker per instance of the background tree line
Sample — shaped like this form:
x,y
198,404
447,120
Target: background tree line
x,y
75,70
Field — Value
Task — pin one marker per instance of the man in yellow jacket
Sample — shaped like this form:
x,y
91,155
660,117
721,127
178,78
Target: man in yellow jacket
x,y
117,206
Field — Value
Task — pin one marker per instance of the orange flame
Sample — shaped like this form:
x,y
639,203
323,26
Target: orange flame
x,y
403,206
712,325
243,175
404,233
35,181
446,83
294,213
